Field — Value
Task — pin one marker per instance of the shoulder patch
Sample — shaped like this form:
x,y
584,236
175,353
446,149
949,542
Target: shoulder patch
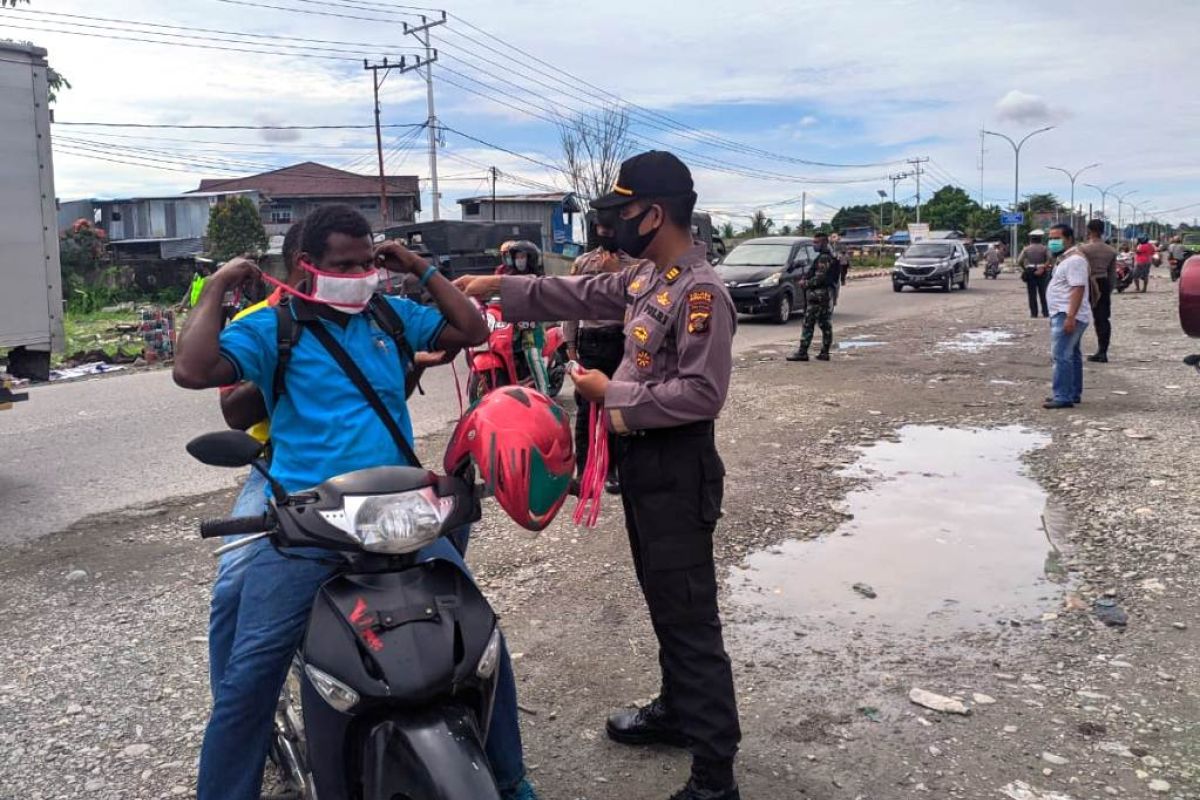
x,y
672,275
700,307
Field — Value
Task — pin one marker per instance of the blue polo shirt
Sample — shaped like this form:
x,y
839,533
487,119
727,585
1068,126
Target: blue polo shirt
x,y
323,426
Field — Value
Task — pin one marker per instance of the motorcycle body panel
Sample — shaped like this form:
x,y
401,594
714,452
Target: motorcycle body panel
x,y
432,755
409,643
1189,297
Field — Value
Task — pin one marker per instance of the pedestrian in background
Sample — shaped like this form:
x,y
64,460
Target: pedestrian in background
x,y
596,344
1070,313
1143,256
1102,268
1034,263
818,296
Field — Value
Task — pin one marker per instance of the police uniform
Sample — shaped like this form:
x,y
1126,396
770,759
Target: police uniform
x,y
679,323
818,310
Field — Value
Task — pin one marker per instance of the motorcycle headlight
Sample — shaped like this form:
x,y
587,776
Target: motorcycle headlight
x,y
393,523
772,280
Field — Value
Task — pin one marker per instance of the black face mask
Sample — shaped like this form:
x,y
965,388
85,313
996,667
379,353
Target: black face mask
x,y
607,243
627,237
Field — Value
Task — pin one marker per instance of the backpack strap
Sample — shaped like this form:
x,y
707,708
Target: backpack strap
x,y
390,322
287,334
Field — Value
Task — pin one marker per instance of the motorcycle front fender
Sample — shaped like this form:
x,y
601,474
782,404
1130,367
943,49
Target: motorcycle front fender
x,y
488,362
554,340
435,754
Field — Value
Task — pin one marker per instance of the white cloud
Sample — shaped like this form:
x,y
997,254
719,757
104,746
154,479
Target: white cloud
x,y
1025,109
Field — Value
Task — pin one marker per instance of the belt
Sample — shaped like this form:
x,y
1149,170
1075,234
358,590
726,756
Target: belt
x,y
702,427
605,332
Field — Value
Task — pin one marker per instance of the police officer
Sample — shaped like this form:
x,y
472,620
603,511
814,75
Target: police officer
x,y
670,386
818,296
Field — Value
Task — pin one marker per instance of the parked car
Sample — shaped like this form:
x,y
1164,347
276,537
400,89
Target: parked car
x,y
942,263
762,274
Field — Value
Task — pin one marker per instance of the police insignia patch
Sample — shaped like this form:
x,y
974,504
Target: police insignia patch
x,y
636,286
642,359
641,334
700,304
663,299
672,274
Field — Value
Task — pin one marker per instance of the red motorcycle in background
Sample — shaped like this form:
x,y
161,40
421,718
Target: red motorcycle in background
x,y
525,353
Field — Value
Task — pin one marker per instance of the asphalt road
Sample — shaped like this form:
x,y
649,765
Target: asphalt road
x,y
116,442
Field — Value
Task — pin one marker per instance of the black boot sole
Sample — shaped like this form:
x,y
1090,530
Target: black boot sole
x,y
643,738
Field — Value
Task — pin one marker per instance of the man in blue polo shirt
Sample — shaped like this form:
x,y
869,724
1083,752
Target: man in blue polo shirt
x,y
321,426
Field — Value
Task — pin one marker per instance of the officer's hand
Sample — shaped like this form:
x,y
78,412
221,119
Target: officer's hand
x,y
591,383
235,272
478,285
398,258
425,360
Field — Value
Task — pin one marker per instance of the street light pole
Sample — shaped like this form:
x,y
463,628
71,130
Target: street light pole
x,y
1073,176
1104,195
1016,146
1120,225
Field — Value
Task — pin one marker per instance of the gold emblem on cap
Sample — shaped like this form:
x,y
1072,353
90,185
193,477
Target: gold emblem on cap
x,y
619,189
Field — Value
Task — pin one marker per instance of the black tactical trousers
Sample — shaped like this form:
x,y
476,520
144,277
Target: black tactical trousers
x,y
1036,287
602,349
1102,312
672,483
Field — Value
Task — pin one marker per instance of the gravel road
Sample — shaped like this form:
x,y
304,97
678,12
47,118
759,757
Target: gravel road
x,y
917,467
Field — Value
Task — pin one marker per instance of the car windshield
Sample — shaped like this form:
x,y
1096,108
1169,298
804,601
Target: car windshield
x,y
925,250
758,255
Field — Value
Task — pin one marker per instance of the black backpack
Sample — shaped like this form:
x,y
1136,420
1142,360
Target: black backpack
x,y
288,328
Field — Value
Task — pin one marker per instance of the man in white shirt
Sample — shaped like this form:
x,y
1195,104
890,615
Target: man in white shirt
x,y
1070,314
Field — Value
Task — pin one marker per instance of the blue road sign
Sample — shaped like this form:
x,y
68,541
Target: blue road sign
x,y
1013,218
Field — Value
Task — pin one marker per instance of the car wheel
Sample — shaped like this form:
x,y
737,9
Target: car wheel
x,y
897,287
966,279
783,309
948,286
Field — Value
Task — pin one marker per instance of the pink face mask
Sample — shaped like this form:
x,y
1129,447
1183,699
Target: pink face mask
x,y
349,294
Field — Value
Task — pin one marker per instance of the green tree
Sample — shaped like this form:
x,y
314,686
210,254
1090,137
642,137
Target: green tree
x,y
854,217
948,209
234,228
81,249
760,223
806,228
727,231
984,223
786,230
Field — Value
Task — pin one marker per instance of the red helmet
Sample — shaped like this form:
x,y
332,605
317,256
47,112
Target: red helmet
x,y
522,445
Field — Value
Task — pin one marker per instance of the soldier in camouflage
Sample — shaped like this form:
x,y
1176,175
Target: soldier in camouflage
x,y
818,290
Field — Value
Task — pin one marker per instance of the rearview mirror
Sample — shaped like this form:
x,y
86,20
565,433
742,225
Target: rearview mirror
x,y
225,449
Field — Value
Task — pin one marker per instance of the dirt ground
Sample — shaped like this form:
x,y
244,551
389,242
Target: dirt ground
x,y
1085,514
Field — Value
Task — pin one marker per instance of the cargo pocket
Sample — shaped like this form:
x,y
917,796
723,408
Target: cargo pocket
x,y
712,487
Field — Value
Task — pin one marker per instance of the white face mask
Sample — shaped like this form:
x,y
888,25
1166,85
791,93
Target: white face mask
x,y
520,262
349,294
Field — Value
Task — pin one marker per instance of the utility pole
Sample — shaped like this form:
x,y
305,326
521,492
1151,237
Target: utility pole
x,y
895,179
379,73
982,151
1120,216
917,162
1016,146
494,172
803,211
431,122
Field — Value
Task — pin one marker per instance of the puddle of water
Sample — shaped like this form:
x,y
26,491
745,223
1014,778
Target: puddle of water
x,y
976,341
1001,382
854,345
949,535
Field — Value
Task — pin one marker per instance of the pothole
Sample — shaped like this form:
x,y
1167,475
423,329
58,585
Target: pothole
x,y
948,536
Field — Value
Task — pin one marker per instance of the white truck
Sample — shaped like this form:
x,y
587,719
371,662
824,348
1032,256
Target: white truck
x,y
31,308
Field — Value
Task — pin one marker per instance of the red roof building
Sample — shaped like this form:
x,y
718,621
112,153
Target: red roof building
x,y
289,193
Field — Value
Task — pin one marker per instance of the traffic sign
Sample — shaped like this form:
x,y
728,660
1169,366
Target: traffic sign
x,y
1013,218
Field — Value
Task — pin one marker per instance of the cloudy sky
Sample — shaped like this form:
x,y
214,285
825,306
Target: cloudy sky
x,y
751,95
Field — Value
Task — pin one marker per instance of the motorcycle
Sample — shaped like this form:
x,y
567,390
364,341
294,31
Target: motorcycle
x,y
524,353
992,270
1124,272
390,695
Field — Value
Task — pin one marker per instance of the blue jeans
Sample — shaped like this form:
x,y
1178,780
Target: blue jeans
x,y
260,606
1068,359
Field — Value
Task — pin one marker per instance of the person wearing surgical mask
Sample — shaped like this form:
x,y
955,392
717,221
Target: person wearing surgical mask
x,y
520,258
1070,315
321,426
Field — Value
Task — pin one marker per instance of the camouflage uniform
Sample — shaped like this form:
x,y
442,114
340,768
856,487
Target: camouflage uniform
x,y
819,309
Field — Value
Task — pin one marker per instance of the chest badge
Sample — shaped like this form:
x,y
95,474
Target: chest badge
x,y
663,298
641,334
636,285
642,359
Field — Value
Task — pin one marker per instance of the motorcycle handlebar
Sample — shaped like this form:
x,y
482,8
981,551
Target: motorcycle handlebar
x,y
234,526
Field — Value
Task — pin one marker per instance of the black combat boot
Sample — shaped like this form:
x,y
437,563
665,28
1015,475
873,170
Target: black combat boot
x,y
711,780
823,355
799,355
650,724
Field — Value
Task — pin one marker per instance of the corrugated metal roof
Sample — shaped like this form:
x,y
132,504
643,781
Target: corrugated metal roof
x,y
310,179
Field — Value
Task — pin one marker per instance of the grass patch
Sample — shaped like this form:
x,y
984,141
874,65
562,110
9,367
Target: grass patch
x,y
97,331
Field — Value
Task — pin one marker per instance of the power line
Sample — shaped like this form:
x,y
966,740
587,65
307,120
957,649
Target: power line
x,y
237,127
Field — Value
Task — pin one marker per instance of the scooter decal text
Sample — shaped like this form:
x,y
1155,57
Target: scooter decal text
x,y
363,623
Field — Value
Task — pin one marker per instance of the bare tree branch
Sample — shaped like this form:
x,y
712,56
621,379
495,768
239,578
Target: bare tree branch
x,y
593,147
